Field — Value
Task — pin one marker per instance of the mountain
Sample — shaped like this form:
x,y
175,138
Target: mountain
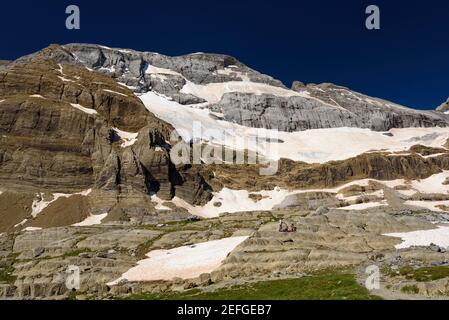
x,y
86,117
87,169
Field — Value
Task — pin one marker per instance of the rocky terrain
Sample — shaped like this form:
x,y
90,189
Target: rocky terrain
x,y
88,179
444,107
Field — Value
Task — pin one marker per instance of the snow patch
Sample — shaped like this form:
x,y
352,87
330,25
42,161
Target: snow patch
x,y
184,262
91,220
65,79
213,92
378,193
363,206
228,200
109,69
439,236
39,204
433,155
115,92
125,51
431,205
21,223
156,70
32,229
159,203
61,69
432,184
229,71
129,138
126,86
84,109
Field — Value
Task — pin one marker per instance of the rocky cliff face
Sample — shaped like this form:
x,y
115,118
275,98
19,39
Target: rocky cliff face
x,y
4,64
322,106
133,68
62,128
298,175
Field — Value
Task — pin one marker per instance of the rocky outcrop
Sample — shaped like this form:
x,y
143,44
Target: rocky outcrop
x,y
316,110
133,68
4,64
299,175
444,107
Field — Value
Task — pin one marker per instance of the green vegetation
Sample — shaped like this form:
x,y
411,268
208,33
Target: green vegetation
x,y
388,271
144,248
410,289
73,295
6,275
320,286
425,274
75,253
419,274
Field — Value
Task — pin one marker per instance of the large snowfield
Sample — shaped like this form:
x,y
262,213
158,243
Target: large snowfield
x,y
311,146
184,262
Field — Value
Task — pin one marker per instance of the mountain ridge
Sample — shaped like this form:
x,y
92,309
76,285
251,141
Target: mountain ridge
x,y
172,75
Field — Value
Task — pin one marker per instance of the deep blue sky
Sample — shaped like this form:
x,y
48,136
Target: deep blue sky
x,y
312,41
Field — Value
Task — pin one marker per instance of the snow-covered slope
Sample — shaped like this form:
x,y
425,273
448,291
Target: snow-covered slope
x,y
312,146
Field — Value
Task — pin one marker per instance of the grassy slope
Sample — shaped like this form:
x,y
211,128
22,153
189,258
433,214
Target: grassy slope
x,y
423,274
322,286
